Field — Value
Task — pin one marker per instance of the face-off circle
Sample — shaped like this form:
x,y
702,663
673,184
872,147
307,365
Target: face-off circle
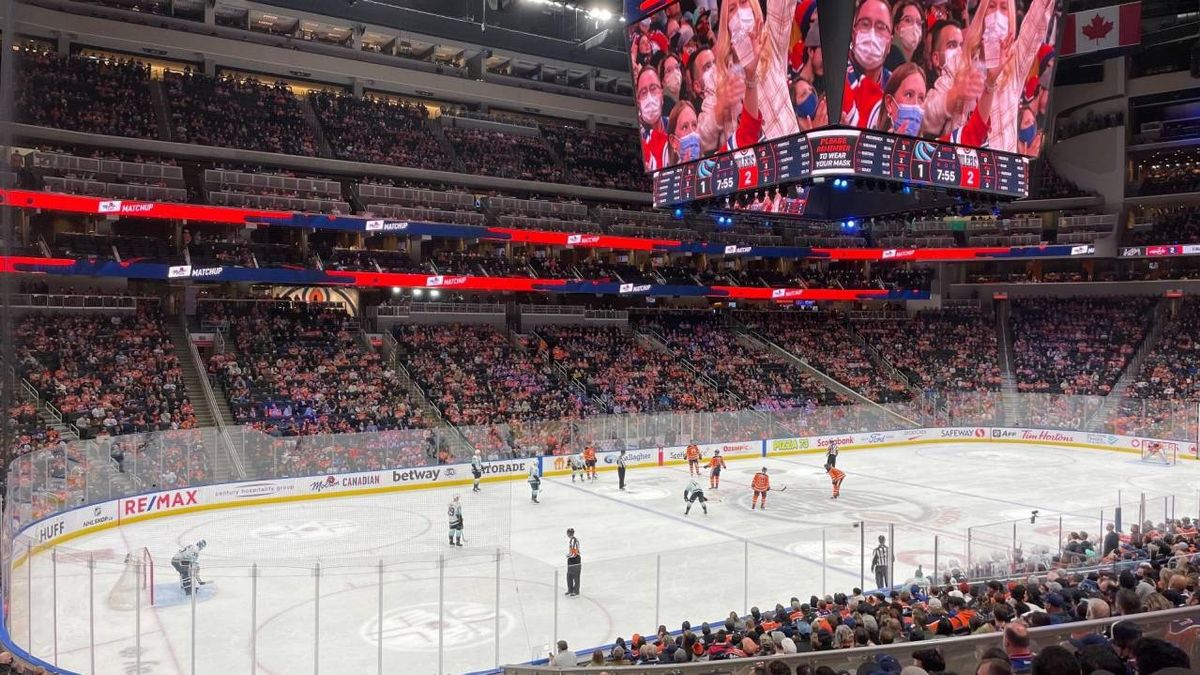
x,y
464,625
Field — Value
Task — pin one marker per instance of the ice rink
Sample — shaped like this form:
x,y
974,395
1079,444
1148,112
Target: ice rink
x,y
644,561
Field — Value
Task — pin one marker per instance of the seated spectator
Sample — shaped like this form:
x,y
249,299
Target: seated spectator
x,y
82,93
379,131
118,375
495,153
626,375
604,158
237,113
1075,346
477,378
297,369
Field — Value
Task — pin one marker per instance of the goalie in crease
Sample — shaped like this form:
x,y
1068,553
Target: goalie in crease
x,y
187,563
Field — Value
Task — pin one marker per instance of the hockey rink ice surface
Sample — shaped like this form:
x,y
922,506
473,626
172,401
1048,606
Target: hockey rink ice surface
x,y
642,558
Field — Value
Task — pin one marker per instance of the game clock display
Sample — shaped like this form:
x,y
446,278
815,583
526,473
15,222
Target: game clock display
x,y
845,153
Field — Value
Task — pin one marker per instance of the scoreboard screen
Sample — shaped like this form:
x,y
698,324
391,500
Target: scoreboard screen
x,y
845,153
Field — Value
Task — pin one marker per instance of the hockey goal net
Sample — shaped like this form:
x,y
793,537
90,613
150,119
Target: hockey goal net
x,y
1160,452
136,583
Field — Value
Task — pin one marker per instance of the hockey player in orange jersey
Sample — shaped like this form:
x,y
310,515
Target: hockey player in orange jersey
x,y
715,465
837,476
589,462
761,485
693,459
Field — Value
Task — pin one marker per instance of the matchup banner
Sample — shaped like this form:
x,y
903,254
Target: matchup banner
x,y
252,217
287,277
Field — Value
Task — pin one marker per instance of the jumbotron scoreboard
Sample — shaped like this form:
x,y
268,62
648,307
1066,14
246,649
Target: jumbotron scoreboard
x,y
843,153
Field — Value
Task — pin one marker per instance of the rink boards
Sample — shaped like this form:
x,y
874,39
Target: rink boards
x,y
62,527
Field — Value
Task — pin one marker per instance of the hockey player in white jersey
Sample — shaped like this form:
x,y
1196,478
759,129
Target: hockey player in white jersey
x,y
577,467
455,515
187,563
535,482
476,470
691,494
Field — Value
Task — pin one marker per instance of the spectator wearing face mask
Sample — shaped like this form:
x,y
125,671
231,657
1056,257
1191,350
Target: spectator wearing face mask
x,y
1009,54
1029,139
810,107
684,137
671,76
903,101
908,42
650,120
867,75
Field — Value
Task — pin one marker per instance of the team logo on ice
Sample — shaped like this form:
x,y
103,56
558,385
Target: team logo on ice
x,y
464,625
307,530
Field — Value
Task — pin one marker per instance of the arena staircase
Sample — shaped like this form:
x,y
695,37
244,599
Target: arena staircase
x,y
1008,382
162,111
1160,320
656,341
206,404
759,342
880,363
48,414
459,445
310,116
435,127
568,175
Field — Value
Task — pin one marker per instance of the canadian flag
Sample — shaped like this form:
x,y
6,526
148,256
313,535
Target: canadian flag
x,y
1104,28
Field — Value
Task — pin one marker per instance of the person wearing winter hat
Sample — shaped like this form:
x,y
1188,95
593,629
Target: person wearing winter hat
x,y
886,663
1054,607
929,659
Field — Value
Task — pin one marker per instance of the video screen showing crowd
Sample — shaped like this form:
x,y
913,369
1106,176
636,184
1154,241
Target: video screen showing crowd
x,y
714,77
710,79
976,72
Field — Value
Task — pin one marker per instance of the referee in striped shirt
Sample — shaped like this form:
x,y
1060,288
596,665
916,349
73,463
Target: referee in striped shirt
x,y
880,561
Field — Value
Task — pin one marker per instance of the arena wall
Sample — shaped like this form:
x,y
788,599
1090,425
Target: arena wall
x,y
65,526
